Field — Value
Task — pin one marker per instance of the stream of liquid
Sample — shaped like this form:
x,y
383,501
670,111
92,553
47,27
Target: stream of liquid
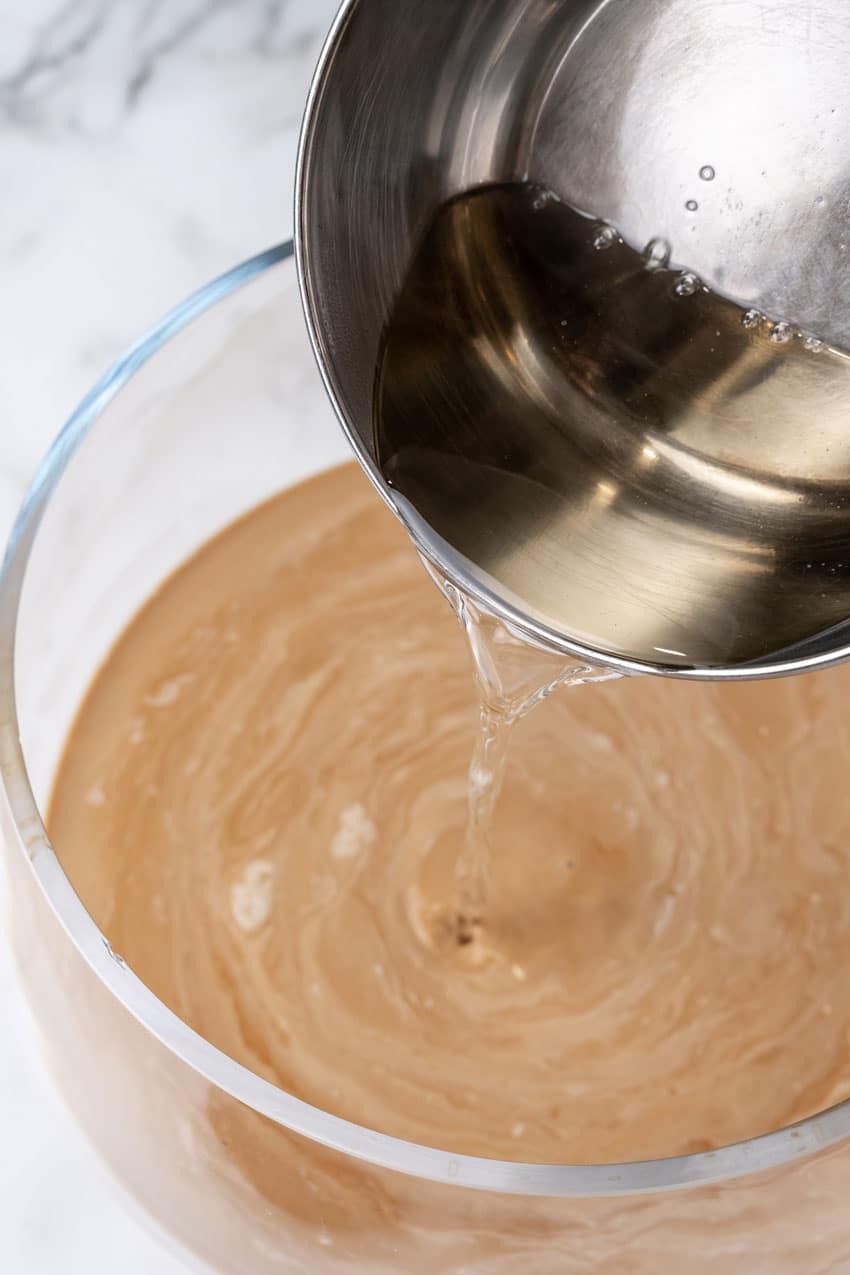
x,y
511,677
615,447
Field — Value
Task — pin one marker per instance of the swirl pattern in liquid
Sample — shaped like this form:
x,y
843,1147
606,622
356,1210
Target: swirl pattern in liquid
x,y
263,800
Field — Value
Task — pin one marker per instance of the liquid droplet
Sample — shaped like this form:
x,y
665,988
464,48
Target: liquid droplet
x,y
751,319
604,238
707,173
692,205
814,345
686,284
656,254
781,332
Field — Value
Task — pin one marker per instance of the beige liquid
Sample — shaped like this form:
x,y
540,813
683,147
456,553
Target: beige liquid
x,y
263,803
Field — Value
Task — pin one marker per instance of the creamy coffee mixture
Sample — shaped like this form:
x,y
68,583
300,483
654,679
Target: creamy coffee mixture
x,y
263,801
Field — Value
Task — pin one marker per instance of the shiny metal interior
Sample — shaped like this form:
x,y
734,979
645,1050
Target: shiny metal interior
x,y
605,446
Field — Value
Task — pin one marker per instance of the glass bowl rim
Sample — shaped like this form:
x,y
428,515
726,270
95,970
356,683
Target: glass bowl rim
x,y
770,1150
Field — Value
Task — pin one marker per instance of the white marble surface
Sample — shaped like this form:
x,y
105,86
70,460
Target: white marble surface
x,y
145,145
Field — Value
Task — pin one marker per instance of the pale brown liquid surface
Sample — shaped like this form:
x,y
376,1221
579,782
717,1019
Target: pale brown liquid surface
x,y
263,801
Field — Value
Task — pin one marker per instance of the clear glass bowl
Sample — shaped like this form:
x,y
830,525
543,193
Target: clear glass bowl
x,y
215,410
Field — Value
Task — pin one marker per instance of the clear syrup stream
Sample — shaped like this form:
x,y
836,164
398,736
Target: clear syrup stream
x,y
512,676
